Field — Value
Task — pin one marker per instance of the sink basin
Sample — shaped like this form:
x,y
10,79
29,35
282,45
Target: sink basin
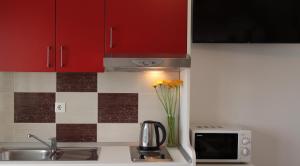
x,y
62,154
77,154
25,154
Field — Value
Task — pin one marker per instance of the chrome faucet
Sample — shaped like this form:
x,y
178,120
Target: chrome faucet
x,y
52,146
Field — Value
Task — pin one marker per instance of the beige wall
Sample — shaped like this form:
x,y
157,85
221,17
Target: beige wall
x,y
257,86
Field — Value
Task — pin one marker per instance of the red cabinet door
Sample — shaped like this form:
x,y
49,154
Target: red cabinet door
x,y
79,35
27,35
146,28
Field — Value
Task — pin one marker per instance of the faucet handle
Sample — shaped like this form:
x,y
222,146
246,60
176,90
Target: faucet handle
x,y
29,135
53,146
52,139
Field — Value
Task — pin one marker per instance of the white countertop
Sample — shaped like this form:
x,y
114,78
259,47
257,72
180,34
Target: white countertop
x,y
109,155
225,165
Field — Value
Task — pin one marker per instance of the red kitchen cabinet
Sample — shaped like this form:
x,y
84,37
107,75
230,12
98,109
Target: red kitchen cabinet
x,y
27,35
146,28
79,35
52,35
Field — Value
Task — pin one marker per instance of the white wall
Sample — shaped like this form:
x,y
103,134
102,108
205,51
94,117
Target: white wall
x,y
257,86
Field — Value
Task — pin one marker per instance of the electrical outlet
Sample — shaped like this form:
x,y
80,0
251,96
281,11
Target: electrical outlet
x,y
60,107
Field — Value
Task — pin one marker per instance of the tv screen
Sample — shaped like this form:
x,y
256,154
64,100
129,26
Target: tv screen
x,y
246,21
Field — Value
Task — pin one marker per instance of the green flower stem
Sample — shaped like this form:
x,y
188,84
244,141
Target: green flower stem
x,y
161,100
171,131
176,99
169,97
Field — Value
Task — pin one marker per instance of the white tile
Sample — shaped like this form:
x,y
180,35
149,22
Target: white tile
x,y
118,132
5,136
81,107
42,130
6,82
6,133
151,109
132,82
6,101
6,105
118,82
35,82
3,133
148,78
6,116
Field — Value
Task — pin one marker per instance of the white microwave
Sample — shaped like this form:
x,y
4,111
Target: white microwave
x,y
221,144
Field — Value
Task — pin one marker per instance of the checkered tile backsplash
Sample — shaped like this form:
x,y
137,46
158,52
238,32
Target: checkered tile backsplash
x,y
103,107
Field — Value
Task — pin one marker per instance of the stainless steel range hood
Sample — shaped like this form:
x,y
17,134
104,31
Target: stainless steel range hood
x,y
141,64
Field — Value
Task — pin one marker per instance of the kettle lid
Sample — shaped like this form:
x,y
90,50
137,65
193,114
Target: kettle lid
x,y
150,121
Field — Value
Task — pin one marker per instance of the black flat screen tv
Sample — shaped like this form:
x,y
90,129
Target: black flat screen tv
x,y
246,21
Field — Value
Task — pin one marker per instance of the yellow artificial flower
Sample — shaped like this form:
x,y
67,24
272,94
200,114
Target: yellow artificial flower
x,y
168,83
178,83
158,83
168,93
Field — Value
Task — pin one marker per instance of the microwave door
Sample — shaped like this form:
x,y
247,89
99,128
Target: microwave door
x,y
216,146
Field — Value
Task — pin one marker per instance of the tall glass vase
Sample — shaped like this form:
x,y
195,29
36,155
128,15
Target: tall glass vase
x,y
172,132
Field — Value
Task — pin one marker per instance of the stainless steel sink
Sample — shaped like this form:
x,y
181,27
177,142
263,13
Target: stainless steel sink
x,y
76,154
25,154
62,154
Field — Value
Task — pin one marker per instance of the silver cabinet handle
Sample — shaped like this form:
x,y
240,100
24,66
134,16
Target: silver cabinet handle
x,y
48,56
111,38
61,56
